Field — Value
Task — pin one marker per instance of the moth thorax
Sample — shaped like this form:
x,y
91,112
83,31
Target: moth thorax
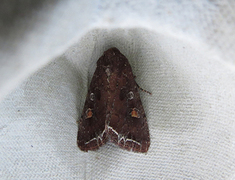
x,y
107,71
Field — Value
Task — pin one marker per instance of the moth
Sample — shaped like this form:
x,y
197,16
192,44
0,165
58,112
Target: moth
x,y
113,109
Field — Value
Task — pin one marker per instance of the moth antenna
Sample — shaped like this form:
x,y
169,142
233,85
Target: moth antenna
x,y
143,89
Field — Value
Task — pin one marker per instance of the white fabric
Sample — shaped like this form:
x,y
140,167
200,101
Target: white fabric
x,y
183,52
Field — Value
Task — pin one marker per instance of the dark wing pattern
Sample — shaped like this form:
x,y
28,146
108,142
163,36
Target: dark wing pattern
x,y
126,123
113,109
91,131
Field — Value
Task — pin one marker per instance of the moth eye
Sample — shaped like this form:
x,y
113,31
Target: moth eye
x,y
92,96
130,95
135,113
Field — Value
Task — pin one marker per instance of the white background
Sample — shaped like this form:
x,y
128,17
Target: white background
x,y
182,52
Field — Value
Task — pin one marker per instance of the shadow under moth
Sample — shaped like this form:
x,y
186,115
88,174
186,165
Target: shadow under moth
x,y
113,109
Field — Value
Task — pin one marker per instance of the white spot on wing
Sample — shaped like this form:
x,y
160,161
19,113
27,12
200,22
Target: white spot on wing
x,y
130,95
92,96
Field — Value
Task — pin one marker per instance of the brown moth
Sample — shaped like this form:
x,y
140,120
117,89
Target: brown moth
x,y
113,109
